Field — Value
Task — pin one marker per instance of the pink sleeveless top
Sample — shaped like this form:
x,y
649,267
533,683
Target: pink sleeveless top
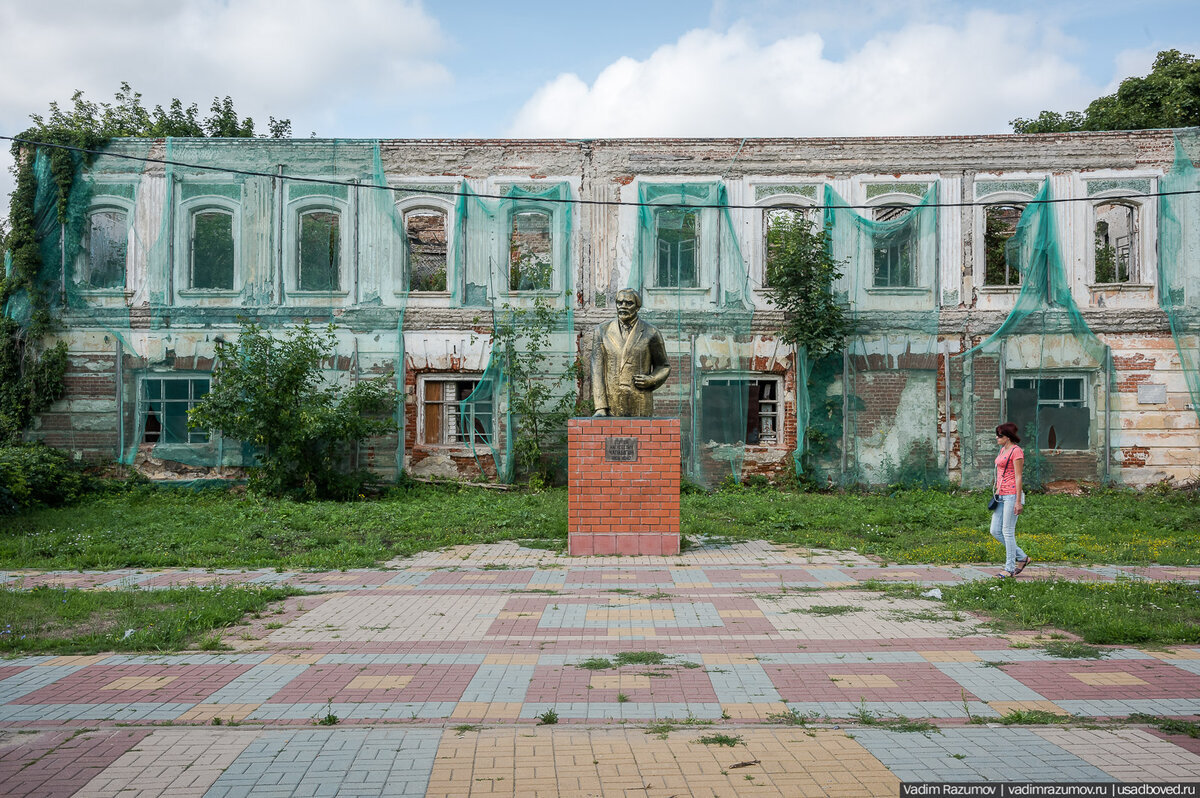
x,y
1007,470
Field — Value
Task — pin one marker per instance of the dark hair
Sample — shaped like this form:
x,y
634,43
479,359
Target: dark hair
x,y
1008,430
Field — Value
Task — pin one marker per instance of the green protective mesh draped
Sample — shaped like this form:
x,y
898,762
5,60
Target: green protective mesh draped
x,y
1043,369
1179,257
515,265
688,267
870,413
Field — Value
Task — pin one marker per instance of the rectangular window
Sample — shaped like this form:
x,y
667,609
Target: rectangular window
x,y
1115,243
531,252
677,237
212,249
106,247
320,250
733,408
894,256
776,220
1000,225
165,403
449,420
426,232
1056,407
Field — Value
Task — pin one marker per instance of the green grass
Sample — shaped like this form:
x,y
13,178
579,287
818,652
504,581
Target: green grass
x,y
1168,725
728,740
1102,613
825,610
213,528
71,621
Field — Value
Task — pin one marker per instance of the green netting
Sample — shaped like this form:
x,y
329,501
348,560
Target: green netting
x,y
871,414
1043,369
688,268
1179,257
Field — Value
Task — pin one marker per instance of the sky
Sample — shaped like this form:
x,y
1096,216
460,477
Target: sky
x,y
618,68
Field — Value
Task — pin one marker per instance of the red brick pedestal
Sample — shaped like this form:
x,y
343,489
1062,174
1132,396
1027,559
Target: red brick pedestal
x,y
623,486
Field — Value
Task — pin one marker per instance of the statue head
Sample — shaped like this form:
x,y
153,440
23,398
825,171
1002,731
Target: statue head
x,y
628,304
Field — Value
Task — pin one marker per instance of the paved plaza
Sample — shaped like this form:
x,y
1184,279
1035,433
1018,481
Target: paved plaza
x,y
749,670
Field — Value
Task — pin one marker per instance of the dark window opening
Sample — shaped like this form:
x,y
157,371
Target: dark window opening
x,y
106,248
320,248
450,419
212,250
1000,262
1115,243
737,410
894,261
1053,408
677,236
165,406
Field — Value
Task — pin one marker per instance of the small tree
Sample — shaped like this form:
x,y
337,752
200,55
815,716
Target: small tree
x,y
272,393
801,271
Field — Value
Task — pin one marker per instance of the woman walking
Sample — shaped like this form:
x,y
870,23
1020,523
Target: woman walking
x,y
1010,463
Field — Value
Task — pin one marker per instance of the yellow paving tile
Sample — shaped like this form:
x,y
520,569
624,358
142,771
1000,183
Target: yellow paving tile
x,y
757,575
759,711
80,659
478,578
630,615
139,683
293,659
379,682
204,713
510,659
841,583
1107,679
861,680
340,578
740,613
621,681
1004,707
633,631
729,659
484,710
693,584
950,656
1170,653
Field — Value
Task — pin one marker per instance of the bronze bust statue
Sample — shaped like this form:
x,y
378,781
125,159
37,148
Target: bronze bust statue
x,y
629,361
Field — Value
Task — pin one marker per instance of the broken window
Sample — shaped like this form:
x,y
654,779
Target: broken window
x,y
1055,408
320,246
212,249
165,402
677,237
426,232
775,220
723,402
105,246
999,226
895,265
449,420
1115,243
530,252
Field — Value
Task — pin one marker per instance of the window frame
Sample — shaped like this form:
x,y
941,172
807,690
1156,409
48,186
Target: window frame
x,y
916,267
294,213
425,208
107,204
807,207
979,267
557,248
1142,251
189,210
144,400
1085,401
422,409
747,377
454,279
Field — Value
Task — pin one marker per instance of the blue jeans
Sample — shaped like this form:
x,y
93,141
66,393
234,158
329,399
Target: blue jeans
x,y
1004,529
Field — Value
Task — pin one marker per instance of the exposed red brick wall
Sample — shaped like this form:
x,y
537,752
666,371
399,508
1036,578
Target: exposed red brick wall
x,y
623,507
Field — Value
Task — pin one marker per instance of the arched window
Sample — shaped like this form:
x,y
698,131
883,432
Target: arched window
x,y
677,248
1115,242
319,250
531,251
211,251
105,249
425,229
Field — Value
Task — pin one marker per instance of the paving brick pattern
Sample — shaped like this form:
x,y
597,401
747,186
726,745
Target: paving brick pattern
x,y
439,670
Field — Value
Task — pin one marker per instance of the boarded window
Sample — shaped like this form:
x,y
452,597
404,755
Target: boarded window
x,y
106,247
894,265
775,221
1055,407
999,226
212,249
320,247
1116,243
677,236
426,232
165,404
531,252
449,420
733,408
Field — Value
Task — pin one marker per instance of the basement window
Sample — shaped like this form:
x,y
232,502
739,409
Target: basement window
x,y
447,419
319,250
164,403
530,252
731,408
1053,406
425,230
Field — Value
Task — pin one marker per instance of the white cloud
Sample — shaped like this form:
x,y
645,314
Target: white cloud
x,y
920,79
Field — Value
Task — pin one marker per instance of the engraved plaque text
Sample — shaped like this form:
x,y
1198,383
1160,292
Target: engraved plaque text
x,y
620,450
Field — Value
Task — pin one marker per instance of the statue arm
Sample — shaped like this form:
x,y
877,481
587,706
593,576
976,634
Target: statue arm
x,y
660,367
599,394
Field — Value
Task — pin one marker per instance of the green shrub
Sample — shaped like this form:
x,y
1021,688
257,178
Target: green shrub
x,y
36,475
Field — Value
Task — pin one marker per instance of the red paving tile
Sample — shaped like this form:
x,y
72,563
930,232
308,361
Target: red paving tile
x,y
914,681
322,683
57,764
192,684
1053,680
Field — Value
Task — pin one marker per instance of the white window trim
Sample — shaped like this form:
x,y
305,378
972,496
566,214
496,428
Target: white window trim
x,y
427,202
1144,220
759,230
188,209
751,376
291,258
922,272
979,259
106,204
142,408
557,248
422,380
